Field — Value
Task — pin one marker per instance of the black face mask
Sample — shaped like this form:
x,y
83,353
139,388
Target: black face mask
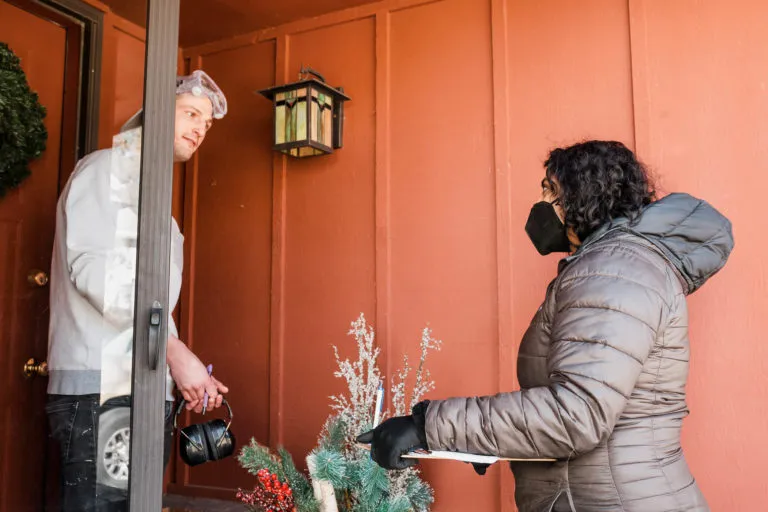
x,y
545,229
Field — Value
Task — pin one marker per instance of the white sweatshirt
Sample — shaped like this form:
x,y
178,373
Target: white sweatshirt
x,y
93,278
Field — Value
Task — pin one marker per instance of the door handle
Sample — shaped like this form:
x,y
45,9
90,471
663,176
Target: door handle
x,y
33,368
155,321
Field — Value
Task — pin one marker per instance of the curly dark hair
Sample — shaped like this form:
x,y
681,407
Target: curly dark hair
x,y
597,181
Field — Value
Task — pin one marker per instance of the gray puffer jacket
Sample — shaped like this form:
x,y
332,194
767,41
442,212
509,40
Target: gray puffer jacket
x,y
603,368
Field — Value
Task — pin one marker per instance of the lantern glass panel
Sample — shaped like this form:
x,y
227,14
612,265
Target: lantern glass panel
x,y
316,118
281,114
321,130
307,151
300,120
290,116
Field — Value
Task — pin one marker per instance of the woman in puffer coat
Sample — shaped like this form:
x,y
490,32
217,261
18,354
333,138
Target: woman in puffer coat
x,y
604,363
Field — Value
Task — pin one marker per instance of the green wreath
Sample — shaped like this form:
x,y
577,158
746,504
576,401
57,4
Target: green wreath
x,y
22,132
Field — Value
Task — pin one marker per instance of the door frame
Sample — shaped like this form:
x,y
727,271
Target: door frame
x,y
145,483
85,84
89,88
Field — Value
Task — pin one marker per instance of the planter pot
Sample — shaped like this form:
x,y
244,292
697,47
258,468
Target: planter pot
x,y
323,489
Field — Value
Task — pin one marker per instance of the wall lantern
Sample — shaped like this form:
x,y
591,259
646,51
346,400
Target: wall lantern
x,y
309,115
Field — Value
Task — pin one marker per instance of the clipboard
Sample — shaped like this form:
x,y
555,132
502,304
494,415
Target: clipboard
x,y
466,457
461,456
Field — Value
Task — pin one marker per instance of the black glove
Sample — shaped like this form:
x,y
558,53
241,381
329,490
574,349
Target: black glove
x,y
397,436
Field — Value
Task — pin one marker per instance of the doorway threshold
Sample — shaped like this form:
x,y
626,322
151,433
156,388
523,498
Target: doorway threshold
x,y
178,503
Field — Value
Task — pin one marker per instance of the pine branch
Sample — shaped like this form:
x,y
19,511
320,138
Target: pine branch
x,y
299,483
420,494
332,466
399,503
334,434
254,457
374,482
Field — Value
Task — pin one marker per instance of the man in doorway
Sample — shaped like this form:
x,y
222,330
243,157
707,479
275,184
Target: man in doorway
x,y
92,283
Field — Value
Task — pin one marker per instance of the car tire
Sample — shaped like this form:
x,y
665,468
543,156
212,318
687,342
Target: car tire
x,y
112,461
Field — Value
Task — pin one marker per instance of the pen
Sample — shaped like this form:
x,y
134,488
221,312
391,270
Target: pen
x,y
379,405
205,396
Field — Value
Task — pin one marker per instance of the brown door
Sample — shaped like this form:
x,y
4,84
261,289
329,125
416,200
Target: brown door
x,y
27,220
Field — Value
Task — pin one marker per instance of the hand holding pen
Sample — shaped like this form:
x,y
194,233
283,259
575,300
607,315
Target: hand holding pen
x,y
213,395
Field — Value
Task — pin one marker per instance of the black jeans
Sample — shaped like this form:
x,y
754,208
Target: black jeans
x,y
74,424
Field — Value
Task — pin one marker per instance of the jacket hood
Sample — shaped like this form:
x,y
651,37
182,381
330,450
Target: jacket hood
x,y
693,235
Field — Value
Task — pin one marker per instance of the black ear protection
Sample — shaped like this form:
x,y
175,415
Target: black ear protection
x,y
203,442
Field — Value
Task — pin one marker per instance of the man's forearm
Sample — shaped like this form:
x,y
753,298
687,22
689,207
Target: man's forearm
x,y
172,349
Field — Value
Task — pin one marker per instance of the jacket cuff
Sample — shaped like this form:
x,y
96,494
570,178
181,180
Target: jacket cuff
x,y
419,414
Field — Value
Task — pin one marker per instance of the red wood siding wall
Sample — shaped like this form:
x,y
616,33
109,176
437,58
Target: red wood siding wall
x,y
419,218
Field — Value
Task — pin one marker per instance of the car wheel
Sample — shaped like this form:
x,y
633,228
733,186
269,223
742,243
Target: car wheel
x,y
114,447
